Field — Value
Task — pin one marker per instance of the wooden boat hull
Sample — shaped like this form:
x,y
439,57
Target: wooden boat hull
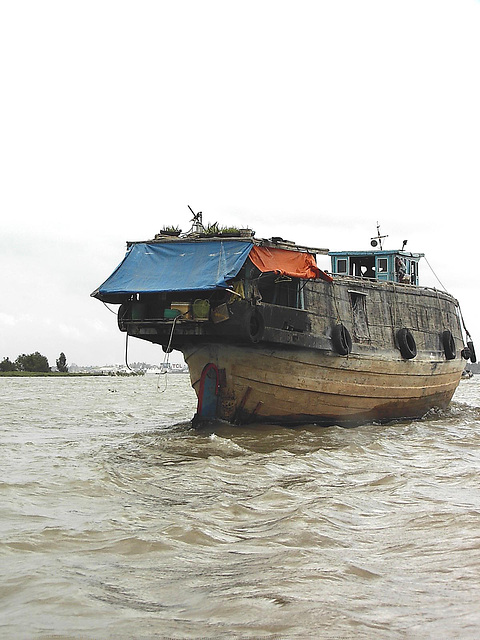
x,y
295,385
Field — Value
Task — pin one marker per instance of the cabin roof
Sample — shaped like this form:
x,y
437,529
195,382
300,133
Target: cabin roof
x,y
388,252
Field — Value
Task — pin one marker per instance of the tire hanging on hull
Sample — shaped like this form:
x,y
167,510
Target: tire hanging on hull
x,y
406,343
449,345
254,325
341,339
471,348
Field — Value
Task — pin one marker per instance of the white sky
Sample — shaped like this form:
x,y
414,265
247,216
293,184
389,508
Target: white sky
x,y
309,120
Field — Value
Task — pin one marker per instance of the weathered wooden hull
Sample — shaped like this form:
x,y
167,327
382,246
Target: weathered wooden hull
x,y
296,385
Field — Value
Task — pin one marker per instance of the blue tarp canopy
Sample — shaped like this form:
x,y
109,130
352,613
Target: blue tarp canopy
x,y
175,266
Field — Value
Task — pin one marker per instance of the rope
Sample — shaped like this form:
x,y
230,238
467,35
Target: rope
x,y
431,269
335,303
458,305
394,308
126,352
463,322
111,310
164,365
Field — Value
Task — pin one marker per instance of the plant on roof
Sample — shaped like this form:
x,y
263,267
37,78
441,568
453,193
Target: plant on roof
x,y
171,228
229,230
211,229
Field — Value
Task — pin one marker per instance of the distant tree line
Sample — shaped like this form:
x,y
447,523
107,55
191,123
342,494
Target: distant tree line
x,y
33,362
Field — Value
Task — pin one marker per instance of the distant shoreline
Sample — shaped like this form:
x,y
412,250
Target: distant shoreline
x,y
82,374
45,374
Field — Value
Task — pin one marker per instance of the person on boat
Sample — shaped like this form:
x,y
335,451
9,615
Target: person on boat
x,y
400,269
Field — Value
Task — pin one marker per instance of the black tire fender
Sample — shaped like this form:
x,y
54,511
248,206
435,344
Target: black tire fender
x,y
406,343
473,356
123,314
255,325
448,342
341,339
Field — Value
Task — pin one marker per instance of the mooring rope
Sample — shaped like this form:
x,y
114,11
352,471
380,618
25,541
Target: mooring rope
x,y
335,304
126,353
164,366
458,304
463,322
111,310
431,269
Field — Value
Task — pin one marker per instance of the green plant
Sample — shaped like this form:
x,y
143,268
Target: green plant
x,y
7,365
171,228
211,229
229,230
62,363
32,362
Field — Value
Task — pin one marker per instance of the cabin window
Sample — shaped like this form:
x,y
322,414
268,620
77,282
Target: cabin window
x,y
363,267
341,265
382,265
358,302
414,272
281,290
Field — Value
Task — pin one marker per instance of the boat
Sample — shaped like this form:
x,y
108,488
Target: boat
x,y
268,336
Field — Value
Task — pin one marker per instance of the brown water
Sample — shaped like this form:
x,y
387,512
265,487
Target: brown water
x,y
118,520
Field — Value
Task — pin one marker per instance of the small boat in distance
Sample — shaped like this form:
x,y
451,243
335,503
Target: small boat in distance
x,y
270,337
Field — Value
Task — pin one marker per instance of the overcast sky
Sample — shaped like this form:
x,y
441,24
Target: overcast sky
x,y
308,120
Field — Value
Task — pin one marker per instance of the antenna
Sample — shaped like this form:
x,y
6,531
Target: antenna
x,y
378,238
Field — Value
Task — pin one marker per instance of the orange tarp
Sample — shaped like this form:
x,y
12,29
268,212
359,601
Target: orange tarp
x,y
290,263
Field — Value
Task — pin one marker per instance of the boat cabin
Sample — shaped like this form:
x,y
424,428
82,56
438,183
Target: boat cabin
x,y
392,266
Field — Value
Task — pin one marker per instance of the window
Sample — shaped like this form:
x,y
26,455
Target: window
x,y
281,290
382,265
362,266
341,265
414,273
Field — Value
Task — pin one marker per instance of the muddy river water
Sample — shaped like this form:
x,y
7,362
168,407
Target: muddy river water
x,y
120,520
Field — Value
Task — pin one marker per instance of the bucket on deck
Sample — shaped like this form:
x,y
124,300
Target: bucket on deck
x,y
201,309
171,313
183,308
